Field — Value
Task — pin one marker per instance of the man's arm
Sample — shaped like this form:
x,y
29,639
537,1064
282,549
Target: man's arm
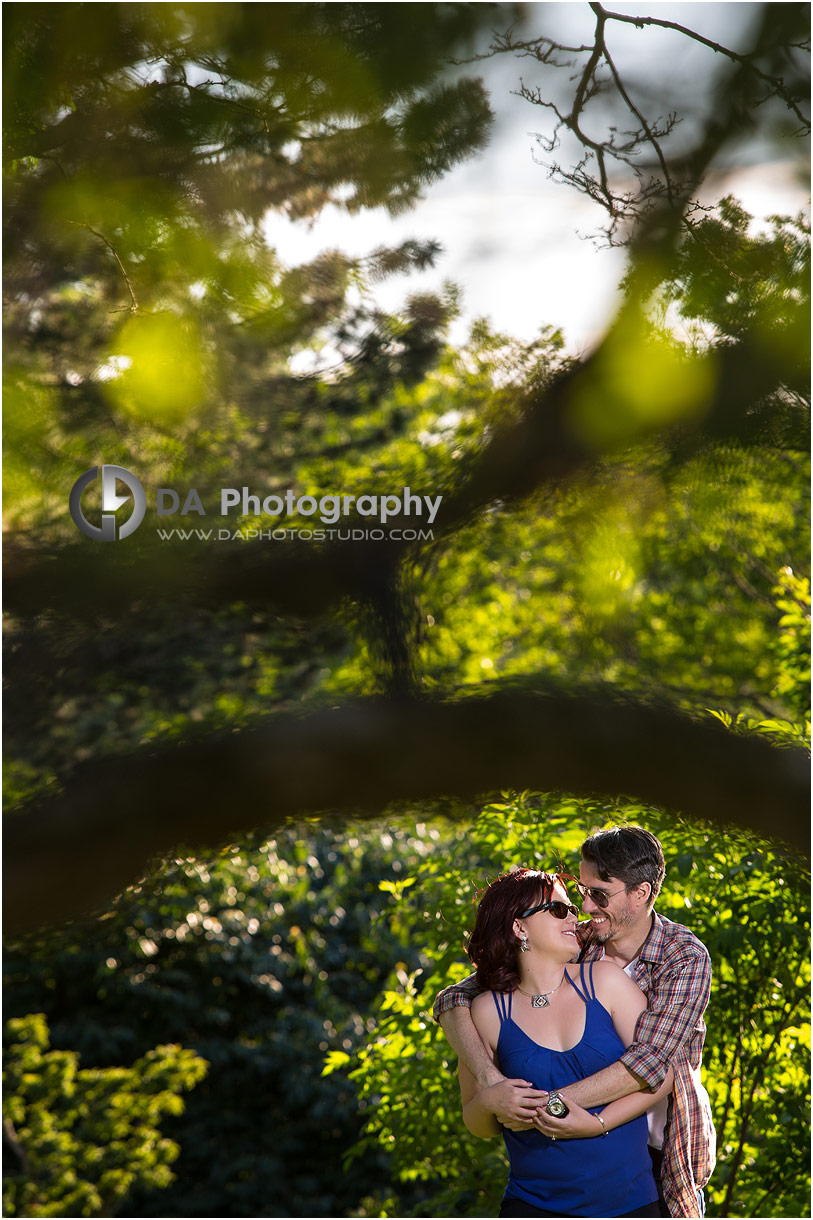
x,y
673,1012
674,1008
580,1123
609,1084
459,995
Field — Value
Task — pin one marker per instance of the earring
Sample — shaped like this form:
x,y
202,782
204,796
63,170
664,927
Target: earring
x,y
523,948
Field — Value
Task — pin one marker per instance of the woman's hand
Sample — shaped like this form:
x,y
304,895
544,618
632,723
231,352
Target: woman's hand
x,y
579,1124
509,1103
514,1103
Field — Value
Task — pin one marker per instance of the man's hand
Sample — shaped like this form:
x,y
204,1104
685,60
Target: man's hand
x,y
578,1124
514,1103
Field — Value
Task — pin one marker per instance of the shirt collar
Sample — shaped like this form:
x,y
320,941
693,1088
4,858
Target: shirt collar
x,y
652,948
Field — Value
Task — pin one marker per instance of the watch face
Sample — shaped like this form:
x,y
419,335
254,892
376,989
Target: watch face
x,y
556,1107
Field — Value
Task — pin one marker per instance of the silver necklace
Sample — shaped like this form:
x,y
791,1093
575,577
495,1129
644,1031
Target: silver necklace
x,y
540,999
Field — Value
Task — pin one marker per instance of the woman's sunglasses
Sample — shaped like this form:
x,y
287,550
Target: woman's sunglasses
x,y
559,910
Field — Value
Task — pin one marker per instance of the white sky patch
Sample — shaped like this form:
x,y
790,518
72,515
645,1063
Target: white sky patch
x,y
444,425
773,188
113,367
514,240
303,363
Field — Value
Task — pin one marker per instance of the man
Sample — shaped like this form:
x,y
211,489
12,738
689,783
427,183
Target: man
x,y
622,870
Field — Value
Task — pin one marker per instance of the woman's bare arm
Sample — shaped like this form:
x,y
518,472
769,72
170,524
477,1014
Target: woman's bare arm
x,y
479,1120
477,1115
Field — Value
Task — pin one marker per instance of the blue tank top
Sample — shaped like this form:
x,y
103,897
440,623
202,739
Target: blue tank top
x,y
604,1176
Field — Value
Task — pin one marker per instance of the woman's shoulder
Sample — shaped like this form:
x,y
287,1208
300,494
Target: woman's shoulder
x,y
606,976
484,1002
596,970
615,990
485,1016
605,969
488,1006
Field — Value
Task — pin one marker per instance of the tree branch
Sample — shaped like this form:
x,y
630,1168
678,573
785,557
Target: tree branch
x,y
662,178
67,855
776,83
11,1140
96,233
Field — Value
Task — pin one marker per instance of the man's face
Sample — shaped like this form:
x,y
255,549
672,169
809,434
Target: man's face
x,y
622,909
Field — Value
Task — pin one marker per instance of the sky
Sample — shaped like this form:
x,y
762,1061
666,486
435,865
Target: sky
x,y
517,243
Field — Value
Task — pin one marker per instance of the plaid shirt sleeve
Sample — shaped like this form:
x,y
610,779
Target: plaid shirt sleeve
x,y
676,1001
458,996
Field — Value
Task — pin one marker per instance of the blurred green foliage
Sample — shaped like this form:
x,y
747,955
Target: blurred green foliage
x,y
731,275
85,1138
262,960
792,645
149,319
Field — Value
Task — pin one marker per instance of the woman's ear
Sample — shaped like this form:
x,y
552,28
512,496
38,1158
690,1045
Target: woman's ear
x,y
518,930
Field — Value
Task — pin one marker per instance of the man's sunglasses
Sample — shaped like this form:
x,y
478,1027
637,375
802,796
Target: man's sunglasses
x,y
559,910
600,897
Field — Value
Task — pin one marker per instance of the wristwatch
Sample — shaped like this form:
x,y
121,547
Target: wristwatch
x,y
557,1107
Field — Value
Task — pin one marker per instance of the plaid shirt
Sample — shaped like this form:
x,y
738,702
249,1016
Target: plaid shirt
x,y
673,969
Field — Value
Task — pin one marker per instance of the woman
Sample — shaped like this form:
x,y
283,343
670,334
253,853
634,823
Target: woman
x,y
551,1022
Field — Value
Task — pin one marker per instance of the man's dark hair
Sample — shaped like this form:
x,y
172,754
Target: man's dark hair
x,y
628,852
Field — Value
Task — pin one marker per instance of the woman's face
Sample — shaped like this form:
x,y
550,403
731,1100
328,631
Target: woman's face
x,y
548,935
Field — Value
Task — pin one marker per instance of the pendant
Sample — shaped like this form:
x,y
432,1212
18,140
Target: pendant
x,y
540,1001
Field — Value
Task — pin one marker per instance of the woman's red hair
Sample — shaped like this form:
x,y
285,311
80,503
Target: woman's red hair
x,y
493,944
